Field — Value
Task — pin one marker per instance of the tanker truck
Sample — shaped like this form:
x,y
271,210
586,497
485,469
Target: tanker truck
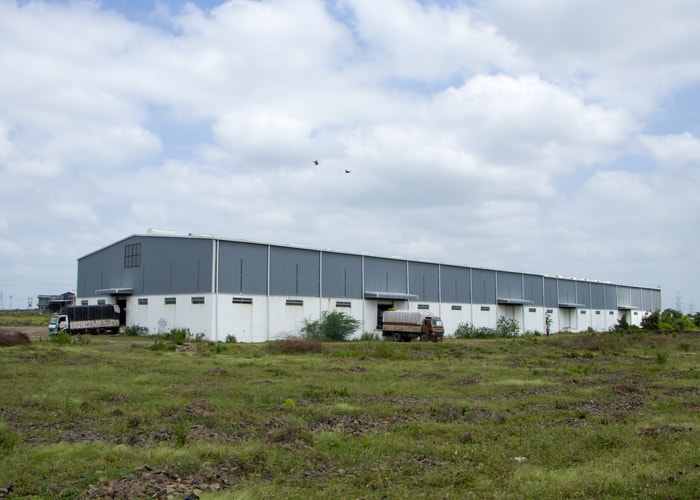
x,y
85,319
404,326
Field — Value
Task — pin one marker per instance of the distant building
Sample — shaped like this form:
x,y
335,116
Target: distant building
x,y
260,291
49,304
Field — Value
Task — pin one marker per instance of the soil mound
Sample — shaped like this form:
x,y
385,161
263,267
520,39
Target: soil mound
x,y
14,338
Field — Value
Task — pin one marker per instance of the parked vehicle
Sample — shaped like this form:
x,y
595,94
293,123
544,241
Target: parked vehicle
x,y
404,326
85,319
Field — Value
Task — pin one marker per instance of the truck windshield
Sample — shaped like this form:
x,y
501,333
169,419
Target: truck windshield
x,y
437,322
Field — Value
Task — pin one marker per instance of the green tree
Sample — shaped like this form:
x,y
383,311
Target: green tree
x,y
333,325
672,320
651,322
507,327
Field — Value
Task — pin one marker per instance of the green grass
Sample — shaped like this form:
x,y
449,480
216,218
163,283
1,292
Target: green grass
x,y
23,318
566,416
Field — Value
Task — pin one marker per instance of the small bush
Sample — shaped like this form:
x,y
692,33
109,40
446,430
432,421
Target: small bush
x,y
507,327
134,331
662,357
333,325
469,331
296,345
8,439
179,336
62,338
231,339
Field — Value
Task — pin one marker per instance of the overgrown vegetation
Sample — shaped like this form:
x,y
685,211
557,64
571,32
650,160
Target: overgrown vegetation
x,y
670,320
333,325
590,415
505,327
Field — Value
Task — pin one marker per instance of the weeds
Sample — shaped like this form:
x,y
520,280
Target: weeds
x,y
297,418
295,345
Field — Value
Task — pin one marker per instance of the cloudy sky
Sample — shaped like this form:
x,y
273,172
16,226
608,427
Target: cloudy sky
x,y
547,136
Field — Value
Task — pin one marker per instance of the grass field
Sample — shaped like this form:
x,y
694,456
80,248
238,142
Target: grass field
x,y
566,416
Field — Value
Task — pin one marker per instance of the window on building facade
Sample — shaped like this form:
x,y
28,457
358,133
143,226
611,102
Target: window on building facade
x,y
295,302
485,308
456,308
343,304
242,300
170,300
132,255
423,306
198,300
143,301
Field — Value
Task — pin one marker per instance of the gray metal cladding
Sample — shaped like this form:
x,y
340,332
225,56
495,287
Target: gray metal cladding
x,y
597,296
242,268
510,285
656,300
636,296
551,295
424,281
294,272
647,299
533,287
341,275
483,286
455,284
176,265
583,293
104,269
567,292
385,275
624,298
610,296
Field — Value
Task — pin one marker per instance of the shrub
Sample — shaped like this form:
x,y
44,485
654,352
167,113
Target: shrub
x,y
296,345
135,331
231,339
8,439
469,331
179,336
507,327
333,325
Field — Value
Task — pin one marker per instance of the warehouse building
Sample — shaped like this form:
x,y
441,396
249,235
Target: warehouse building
x,y
259,291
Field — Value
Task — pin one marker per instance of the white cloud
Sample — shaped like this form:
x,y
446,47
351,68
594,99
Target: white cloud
x,y
673,150
505,135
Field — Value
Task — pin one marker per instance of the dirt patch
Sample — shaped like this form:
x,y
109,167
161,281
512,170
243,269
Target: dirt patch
x,y
15,338
33,332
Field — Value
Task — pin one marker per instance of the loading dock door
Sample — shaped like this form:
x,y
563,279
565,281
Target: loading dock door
x,y
381,307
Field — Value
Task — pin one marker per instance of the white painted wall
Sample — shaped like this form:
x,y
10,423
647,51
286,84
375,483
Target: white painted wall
x,y
269,318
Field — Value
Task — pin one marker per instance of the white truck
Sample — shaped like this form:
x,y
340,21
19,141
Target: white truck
x,y
85,319
404,326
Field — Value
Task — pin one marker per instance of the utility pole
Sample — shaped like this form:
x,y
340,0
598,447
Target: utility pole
x,y
679,306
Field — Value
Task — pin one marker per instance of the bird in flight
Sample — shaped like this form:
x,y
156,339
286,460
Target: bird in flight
x,y
315,162
347,171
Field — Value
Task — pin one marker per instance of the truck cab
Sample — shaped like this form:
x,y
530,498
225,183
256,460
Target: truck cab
x,y
432,329
58,323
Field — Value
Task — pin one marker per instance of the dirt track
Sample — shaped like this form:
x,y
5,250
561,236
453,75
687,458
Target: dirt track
x,y
34,332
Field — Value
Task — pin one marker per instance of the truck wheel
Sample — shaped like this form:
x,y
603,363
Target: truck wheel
x,y
425,338
397,337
